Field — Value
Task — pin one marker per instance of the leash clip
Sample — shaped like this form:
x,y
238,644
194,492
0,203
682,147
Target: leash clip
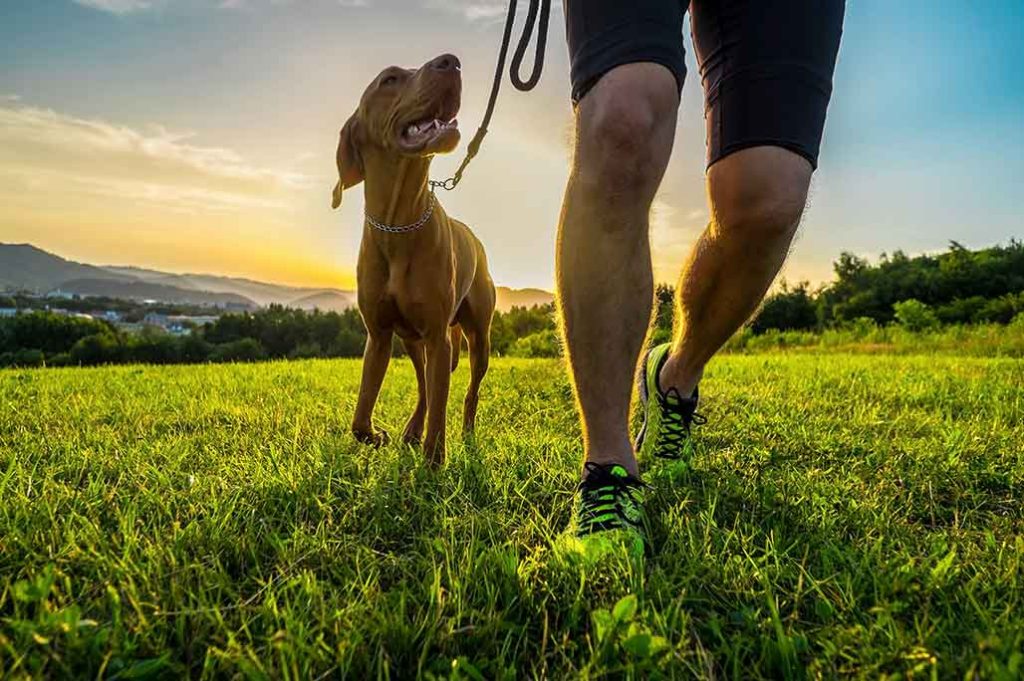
x,y
538,9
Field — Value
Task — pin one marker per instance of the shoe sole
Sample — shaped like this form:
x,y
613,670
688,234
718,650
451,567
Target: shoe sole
x,y
641,381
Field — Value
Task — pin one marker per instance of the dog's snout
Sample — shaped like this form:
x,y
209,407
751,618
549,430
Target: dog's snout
x,y
446,62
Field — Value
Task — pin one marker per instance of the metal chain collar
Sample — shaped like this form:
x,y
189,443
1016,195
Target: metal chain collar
x,y
393,229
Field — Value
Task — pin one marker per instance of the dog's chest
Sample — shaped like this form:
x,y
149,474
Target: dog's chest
x,y
401,313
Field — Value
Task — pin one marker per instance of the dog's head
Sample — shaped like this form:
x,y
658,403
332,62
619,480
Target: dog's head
x,y
403,112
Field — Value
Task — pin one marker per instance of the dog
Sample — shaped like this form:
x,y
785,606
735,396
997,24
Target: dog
x,y
421,274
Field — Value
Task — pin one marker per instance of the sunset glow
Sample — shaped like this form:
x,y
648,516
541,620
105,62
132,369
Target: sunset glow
x,y
198,135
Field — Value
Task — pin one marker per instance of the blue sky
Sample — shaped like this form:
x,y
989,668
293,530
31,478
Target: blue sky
x,y
198,134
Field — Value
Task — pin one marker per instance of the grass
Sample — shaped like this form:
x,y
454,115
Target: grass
x,y
846,516
865,337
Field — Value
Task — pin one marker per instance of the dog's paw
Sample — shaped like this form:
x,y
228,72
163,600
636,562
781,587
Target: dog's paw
x,y
374,438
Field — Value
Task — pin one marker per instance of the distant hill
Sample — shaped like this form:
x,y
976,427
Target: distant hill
x,y
259,292
26,267
326,301
523,297
23,266
142,290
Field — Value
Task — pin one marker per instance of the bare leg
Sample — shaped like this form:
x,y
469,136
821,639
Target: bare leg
x,y
757,198
626,125
414,427
439,373
376,357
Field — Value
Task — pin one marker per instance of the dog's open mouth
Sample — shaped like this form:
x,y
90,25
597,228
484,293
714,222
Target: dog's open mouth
x,y
434,129
422,133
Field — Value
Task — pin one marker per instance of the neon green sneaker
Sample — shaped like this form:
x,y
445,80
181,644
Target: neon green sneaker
x,y
668,416
610,509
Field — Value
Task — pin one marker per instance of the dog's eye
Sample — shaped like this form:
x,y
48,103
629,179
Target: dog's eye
x,y
389,80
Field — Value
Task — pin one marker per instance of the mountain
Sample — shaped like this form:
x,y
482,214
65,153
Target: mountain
x,y
326,301
257,291
144,290
23,266
523,297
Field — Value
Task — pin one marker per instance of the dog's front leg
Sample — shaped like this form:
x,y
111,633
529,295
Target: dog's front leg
x,y
376,357
439,366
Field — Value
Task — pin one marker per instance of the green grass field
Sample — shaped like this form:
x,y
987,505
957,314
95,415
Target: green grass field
x,y
846,516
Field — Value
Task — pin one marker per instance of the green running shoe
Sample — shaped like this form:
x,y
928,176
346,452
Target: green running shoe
x,y
610,508
668,416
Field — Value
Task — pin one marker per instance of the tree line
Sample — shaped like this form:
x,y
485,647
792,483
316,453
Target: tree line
x,y
957,287
43,338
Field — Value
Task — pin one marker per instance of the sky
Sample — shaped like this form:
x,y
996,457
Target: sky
x,y
199,135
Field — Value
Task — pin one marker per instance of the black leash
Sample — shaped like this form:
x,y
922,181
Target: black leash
x,y
537,7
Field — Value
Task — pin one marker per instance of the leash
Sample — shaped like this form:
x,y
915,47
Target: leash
x,y
538,8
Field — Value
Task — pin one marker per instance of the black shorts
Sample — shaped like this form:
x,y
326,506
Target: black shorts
x,y
766,65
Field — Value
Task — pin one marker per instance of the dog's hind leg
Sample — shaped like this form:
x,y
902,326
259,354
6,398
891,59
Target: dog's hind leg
x,y
456,346
414,428
479,359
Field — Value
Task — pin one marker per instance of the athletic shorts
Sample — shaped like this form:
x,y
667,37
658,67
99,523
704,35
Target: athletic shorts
x,y
766,65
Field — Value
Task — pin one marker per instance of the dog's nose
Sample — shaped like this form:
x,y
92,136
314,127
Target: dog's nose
x,y
446,62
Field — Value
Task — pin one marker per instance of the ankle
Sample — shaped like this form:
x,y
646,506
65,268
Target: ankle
x,y
676,374
625,459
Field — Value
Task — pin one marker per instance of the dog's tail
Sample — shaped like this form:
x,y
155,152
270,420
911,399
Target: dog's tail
x,y
456,346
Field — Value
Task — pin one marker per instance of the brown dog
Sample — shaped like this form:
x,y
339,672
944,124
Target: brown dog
x,y
421,274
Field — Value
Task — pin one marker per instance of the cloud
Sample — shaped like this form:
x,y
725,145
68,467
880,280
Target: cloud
x,y
473,10
116,6
128,6
97,158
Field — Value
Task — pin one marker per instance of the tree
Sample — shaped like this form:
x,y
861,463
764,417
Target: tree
x,y
915,315
97,349
787,310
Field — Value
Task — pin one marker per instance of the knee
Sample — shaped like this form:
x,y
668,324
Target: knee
x,y
764,203
768,218
626,127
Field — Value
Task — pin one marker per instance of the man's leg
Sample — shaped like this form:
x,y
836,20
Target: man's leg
x,y
757,197
625,129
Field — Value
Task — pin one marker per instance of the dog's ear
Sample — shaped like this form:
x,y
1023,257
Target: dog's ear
x,y
350,163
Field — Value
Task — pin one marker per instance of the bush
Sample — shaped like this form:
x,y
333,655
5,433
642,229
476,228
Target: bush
x,y
245,350
153,348
51,333
100,348
349,343
541,344
62,359
192,349
306,351
509,327
790,309
913,315
22,359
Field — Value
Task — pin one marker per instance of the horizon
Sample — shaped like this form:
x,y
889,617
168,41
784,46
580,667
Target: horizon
x,y
121,146
196,273
872,259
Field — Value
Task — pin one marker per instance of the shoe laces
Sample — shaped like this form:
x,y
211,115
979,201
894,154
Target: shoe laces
x,y
608,501
678,414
